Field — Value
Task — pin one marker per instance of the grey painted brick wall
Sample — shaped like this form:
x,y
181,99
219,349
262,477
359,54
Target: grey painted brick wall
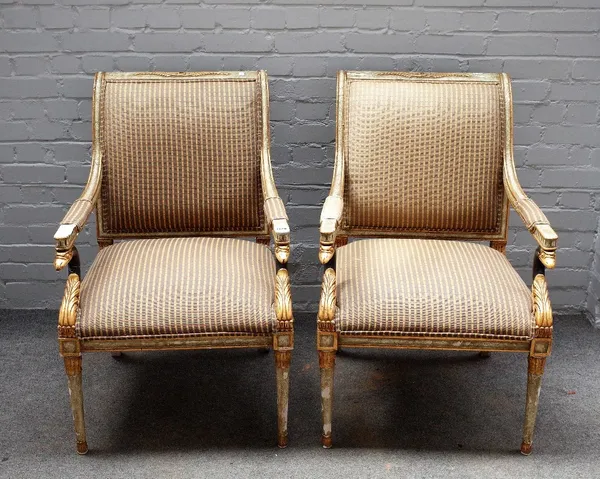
x,y
49,51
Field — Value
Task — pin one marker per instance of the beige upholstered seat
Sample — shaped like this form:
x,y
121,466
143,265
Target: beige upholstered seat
x,y
386,286
178,287
180,172
424,163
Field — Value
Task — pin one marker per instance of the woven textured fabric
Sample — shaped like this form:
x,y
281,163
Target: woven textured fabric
x,y
424,156
418,287
78,213
176,287
180,155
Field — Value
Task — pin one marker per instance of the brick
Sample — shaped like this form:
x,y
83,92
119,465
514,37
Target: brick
x,y
530,91
19,174
46,130
230,42
55,17
552,113
336,17
477,21
30,153
582,113
27,110
543,155
35,194
372,18
576,200
516,21
574,135
235,18
571,178
528,68
65,64
586,21
527,135
30,65
404,20
312,111
310,66
93,18
443,21
267,18
128,18
521,45
198,18
131,63
167,42
454,44
577,92
97,63
160,17
78,87
578,46
586,69
170,63
276,66
376,43
307,42
61,109
15,42
13,131
19,17
301,18
95,42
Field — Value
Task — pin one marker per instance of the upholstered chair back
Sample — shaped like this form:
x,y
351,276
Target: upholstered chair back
x,y
180,153
423,155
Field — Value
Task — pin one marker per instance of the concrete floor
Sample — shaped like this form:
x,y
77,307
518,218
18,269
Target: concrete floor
x,y
212,413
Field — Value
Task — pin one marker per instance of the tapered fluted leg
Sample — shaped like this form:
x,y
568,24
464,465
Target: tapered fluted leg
x,y
282,369
534,383
73,369
327,364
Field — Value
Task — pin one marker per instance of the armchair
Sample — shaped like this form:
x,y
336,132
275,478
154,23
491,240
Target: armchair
x,y
180,172
424,168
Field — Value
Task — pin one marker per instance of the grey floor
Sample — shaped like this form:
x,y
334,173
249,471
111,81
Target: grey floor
x,y
212,413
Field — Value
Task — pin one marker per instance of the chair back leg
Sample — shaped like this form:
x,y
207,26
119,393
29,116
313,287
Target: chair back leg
x,y
327,365
282,369
73,370
534,383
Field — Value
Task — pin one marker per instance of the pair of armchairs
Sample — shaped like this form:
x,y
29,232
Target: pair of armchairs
x,y
181,170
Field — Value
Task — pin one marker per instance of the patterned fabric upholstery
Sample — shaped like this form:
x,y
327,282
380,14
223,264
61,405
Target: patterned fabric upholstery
x,y
418,287
180,154
178,287
424,155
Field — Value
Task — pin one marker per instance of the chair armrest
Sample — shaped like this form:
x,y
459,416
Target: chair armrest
x,y
277,219
532,216
331,215
77,216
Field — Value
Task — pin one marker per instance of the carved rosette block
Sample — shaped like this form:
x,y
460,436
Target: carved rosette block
x,y
326,252
283,300
542,309
67,315
328,302
62,258
282,252
548,258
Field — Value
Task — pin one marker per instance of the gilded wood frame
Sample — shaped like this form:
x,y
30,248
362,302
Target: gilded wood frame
x,y
281,341
334,234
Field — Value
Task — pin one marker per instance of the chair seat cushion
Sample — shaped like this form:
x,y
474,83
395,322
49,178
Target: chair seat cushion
x,y
176,287
419,287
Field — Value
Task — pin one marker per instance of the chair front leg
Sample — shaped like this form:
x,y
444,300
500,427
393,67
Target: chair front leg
x,y
534,384
540,349
327,346
283,344
73,370
70,350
